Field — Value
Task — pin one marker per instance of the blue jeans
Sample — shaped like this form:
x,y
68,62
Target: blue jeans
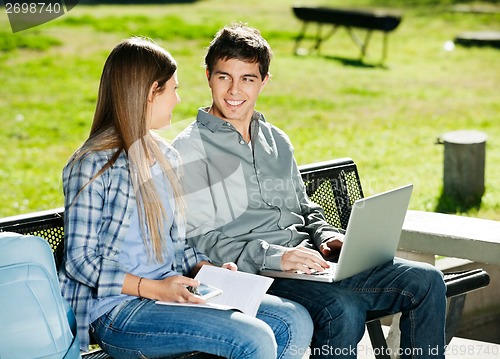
x,y
140,328
339,309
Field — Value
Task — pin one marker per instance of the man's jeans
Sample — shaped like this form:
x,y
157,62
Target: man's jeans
x,y
142,329
339,309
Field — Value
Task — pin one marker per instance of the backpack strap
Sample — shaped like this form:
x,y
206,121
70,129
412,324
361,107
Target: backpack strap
x,y
73,351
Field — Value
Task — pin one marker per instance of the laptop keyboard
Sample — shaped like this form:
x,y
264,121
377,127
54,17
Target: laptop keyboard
x,y
326,272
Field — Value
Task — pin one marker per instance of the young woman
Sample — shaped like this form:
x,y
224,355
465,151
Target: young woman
x,y
125,234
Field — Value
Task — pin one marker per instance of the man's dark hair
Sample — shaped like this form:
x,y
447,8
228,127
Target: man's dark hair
x,y
240,42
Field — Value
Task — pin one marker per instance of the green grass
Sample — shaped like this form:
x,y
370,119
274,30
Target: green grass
x,y
386,118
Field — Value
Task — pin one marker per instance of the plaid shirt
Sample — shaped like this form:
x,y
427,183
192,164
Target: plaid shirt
x,y
95,225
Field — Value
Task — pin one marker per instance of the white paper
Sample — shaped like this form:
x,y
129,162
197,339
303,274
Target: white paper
x,y
241,291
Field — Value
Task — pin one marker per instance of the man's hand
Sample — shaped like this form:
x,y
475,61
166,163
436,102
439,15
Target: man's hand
x,y
303,259
330,249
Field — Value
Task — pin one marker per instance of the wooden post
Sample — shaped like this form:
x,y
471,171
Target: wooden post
x,y
464,163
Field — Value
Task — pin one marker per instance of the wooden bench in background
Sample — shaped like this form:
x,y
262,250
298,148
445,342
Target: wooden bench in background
x,y
335,185
367,19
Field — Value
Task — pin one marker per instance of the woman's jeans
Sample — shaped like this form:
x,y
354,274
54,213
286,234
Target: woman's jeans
x,y
339,309
140,328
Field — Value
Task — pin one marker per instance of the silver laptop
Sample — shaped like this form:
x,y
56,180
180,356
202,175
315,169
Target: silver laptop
x,y
371,238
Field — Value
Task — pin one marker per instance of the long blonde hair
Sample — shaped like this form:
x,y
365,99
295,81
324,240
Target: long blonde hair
x,y
120,123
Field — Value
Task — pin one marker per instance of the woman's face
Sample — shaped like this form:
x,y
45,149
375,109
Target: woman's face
x,y
162,104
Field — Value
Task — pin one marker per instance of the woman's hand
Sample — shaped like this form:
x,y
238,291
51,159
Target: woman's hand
x,y
169,289
173,289
230,265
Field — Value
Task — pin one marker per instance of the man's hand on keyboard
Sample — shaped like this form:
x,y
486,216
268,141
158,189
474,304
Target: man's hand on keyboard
x,y
303,259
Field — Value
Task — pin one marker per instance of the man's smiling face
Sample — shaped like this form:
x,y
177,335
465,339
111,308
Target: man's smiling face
x,y
235,86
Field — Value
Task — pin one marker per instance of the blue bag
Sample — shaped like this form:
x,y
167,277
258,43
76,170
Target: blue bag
x,y
35,320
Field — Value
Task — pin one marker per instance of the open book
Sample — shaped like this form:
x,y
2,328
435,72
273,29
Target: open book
x,y
240,291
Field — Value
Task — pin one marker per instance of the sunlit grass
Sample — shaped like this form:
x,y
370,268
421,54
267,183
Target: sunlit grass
x,y
386,118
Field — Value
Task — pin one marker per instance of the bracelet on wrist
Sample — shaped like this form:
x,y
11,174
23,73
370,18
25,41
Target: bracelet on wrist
x,y
139,287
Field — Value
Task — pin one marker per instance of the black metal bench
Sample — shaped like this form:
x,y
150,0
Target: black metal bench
x,y
479,38
334,185
369,20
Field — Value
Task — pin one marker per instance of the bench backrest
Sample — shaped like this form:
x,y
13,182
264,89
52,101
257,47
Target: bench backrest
x,y
371,19
334,185
46,224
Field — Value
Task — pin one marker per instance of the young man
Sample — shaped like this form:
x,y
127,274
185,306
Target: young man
x,y
246,203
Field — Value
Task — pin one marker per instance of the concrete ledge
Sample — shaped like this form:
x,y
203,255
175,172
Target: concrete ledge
x,y
451,236
459,348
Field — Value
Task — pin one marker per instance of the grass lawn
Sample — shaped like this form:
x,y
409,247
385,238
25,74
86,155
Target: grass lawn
x,y
386,118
